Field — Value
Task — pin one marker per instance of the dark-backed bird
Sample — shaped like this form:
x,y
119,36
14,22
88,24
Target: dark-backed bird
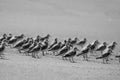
x,y
20,36
73,42
44,47
64,50
45,38
55,42
3,37
82,42
64,44
13,40
34,44
105,56
36,50
112,46
9,37
94,46
71,54
26,46
84,52
102,47
37,39
55,48
19,44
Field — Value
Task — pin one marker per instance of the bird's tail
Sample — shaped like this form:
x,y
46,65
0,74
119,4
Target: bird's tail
x,y
79,54
117,56
99,57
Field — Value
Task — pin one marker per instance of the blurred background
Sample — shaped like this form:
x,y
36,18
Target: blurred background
x,y
93,19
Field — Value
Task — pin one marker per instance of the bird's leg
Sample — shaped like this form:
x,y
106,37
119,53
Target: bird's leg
x,y
107,61
70,59
83,57
86,57
53,53
73,60
103,61
119,59
63,58
43,53
33,55
37,55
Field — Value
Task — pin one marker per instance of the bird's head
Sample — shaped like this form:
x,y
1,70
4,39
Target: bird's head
x,y
114,43
76,39
76,49
105,43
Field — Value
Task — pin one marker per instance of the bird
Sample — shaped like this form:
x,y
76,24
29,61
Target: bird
x,y
34,44
44,47
73,42
105,56
37,38
55,42
102,47
2,48
9,37
3,37
71,54
19,44
64,50
94,46
13,40
36,50
84,52
112,46
45,38
20,36
64,44
55,48
82,42
26,46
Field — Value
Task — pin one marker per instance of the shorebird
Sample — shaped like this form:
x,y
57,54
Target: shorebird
x,y
84,52
102,47
82,42
73,42
45,38
3,37
94,46
9,37
19,44
55,42
112,46
44,47
71,54
36,50
105,56
55,48
26,46
64,44
64,50
34,44
20,36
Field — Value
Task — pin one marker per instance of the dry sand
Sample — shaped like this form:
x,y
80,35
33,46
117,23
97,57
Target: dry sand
x,y
19,67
